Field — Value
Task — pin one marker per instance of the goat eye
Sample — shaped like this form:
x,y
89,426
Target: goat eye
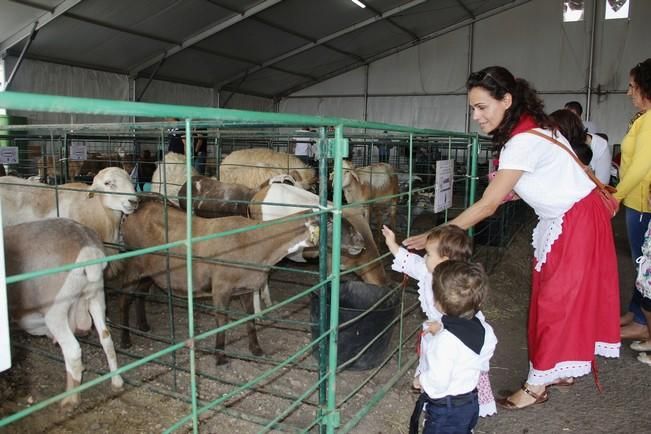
x,y
107,183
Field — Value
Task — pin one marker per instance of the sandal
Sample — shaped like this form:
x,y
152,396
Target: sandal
x,y
538,399
641,346
644,358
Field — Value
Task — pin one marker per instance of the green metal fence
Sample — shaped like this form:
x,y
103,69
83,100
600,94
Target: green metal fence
x,y
328,403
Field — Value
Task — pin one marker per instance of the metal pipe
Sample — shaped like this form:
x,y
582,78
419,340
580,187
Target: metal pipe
x,y
151,78
588,105
32,35
471,37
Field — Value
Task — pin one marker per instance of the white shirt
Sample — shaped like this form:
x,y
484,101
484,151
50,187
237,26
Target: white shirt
x,y
601,158
414,266
590,127
552,181
450,367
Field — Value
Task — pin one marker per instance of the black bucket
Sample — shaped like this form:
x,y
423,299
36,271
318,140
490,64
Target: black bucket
x,y
355,298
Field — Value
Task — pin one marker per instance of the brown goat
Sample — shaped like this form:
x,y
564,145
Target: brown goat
x,y
212,198
371,182
263,247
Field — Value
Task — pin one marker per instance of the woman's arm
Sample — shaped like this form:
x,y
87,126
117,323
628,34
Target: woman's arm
x,y
485,207
492,198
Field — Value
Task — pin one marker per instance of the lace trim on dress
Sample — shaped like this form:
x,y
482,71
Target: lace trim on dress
x,y
571,368
544,234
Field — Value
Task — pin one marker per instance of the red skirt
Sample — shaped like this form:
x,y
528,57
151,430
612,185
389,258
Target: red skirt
x,y
574,307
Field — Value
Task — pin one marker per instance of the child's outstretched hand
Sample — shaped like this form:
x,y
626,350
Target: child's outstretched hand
x,y
433,327
390,239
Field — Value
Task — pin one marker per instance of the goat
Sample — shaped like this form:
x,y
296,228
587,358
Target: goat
x,y
254,167
371,182
212,198
264,246
358,246
99,206
169,179
58,304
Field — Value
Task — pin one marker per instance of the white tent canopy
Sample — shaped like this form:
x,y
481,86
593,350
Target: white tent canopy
x,y
396,61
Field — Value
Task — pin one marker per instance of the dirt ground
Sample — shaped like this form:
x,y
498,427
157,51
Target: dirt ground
x,y
149,401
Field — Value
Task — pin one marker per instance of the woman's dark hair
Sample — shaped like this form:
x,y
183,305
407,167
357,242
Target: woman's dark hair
x,y
641,74
498,81
571,127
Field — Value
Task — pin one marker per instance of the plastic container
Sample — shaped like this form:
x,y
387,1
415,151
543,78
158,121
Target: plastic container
x,y
355,298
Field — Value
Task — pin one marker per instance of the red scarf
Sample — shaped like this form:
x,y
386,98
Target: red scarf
x,y
525,123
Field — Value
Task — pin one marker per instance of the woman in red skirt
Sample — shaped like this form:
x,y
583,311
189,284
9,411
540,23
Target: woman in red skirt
x,y
574,307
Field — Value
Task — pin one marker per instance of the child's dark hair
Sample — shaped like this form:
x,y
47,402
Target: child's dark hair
x,y
453,242
460,287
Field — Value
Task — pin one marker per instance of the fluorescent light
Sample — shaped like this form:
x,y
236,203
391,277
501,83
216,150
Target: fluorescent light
x,y
359,3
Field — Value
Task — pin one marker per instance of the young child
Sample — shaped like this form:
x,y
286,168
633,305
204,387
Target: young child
x,y
443,243
451,363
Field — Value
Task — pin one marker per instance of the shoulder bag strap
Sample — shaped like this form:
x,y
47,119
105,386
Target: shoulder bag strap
x,y
585,168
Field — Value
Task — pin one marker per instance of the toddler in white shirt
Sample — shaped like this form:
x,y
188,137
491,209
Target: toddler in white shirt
x,y
443,243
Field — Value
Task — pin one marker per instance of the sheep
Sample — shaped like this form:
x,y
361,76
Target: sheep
x,y
168,180
57,305
253,167
366,183
212,198
99,206
264,247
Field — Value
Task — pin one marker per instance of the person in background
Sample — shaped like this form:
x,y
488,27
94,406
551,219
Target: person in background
x,y
574,305
592,150
571,128
451,363
303,147
146,169
443,243
633,188
175,138
576,108
200,150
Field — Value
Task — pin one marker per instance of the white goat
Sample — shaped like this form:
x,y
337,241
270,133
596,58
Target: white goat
x,y
254,167
357,244
99,206
169,179
375,181
58,304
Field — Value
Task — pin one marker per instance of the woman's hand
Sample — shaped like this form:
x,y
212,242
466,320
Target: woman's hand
x,y
416,242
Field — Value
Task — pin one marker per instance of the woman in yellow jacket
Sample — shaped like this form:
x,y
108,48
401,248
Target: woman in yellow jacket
x,y
633,192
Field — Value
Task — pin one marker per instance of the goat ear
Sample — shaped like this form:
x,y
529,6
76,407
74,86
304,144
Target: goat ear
x,y
354,175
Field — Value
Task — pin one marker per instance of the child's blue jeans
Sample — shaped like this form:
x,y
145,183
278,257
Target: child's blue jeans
x,y
449,415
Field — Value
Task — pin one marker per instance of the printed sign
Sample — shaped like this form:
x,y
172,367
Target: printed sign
x,y
9,155
5,348
443,185
78,152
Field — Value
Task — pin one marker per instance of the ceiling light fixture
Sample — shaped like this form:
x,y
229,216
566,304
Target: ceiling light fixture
x,y
359,3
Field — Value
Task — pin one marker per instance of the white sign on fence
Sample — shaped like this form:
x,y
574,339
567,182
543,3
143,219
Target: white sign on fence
x,y
443,185
78,152
9,155
5,350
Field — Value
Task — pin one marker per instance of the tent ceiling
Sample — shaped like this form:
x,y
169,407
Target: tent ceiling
x,y
262,47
